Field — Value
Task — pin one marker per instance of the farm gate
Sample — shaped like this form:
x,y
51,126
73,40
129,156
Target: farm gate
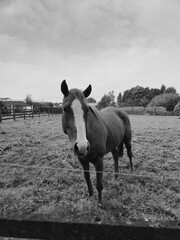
x,y
13,114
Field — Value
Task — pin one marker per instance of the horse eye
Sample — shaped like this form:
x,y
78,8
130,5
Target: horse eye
x,y
64,109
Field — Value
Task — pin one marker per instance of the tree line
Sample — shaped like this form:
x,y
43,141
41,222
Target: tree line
x,y
142,97
38,105
135,97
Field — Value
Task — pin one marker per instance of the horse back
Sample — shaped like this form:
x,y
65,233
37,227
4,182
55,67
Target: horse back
x,y
118,126
112,125
115,115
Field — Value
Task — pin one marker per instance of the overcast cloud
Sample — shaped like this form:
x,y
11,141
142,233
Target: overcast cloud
x,y
112,44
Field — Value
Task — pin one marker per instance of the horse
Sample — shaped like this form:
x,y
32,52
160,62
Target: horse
x,y
94,133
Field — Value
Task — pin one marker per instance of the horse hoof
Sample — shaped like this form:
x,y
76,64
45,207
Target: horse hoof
x,y
97,220
90,194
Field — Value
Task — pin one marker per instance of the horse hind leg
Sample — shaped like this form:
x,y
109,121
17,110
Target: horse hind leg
x,y
127,143
121,149
116,167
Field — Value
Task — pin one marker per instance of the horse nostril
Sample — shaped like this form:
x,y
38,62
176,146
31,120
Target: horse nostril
x,y
88,146
81,149
76,149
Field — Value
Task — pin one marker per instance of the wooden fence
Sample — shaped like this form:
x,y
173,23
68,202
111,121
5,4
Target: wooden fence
x,y
13,114
46,229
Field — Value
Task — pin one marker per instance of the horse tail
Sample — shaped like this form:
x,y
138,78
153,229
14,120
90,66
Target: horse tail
x,y
128,131
127,142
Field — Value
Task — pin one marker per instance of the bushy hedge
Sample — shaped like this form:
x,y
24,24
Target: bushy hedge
x,y
168,100
177,109
159,111
134,110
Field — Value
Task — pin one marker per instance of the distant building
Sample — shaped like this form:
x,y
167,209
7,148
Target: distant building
x,y
5,99
57,105
92,104
10,104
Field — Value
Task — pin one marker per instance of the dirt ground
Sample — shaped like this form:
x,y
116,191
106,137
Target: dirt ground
x,y
39,173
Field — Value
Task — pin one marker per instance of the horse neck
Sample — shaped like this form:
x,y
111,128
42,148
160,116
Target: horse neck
x,y
93,114
93,119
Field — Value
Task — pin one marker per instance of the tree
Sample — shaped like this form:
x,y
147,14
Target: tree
x,y
104,102
107,100
1,104
139,96
48,104
91,100
163,88
153,93
112,98
170,90
119,99
29,100
163,99
177,109
171,103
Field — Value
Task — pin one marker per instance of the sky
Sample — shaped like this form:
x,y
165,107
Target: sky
x,y
113,45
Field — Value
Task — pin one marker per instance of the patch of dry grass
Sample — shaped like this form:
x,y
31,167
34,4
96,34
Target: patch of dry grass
x,y
62,194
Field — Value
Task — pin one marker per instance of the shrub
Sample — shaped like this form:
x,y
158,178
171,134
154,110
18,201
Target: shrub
x,y
163,99
134,110
177,109
172,103
160,111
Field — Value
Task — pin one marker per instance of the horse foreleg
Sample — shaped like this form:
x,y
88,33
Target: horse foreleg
x,y
99,174
87,176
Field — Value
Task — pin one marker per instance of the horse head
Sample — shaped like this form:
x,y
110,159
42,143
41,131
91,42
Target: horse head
x,y
75,110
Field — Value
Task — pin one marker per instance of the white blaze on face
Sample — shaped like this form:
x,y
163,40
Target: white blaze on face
x,y
79,124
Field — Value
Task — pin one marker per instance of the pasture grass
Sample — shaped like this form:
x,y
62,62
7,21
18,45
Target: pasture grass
x,y
60,192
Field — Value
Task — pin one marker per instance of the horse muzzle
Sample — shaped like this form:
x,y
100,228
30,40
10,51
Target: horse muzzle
x,y
81,149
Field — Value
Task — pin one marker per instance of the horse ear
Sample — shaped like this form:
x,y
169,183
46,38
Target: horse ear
x,y
64,88
87,91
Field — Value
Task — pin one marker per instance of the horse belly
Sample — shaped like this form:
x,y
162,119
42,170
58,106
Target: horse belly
x,y
115,137
97,139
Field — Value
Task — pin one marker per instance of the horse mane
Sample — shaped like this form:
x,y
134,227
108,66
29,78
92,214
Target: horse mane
x,y
122,114
76,93
94,111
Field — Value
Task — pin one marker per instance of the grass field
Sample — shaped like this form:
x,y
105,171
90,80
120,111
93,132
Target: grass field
x,y
53,183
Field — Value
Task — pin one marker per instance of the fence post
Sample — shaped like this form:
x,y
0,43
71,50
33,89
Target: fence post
x,y
14,113
24,114
0,116
32,111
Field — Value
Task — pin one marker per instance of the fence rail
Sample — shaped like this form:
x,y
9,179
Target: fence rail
x,y
13,114
41,228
